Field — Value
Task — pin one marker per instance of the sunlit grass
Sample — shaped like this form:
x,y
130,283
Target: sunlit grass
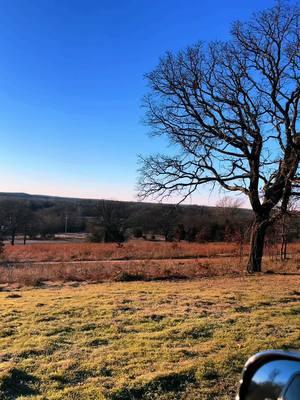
x,y
142,340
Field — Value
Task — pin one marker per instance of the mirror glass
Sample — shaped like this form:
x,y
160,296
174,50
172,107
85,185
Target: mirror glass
x,y
292,391
276,380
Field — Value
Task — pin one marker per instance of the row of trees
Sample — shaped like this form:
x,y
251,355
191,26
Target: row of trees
x,y
109,221
32,219
114,222
227,222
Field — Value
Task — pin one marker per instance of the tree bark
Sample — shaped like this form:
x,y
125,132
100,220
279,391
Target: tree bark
x,y
257,242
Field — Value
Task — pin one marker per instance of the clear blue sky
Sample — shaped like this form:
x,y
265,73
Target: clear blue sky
x,y
71,82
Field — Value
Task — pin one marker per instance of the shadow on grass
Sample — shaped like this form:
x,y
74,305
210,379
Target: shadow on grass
x,y
132,277
174,382
17,383
270,272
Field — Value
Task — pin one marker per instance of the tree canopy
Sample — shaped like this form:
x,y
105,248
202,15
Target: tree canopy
x,y
232,111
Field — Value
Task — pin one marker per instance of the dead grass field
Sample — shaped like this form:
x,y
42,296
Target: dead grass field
x,y
39,264
43,274
132,250
142,340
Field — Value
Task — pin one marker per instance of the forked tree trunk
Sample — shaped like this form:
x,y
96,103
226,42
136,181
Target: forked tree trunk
x,y
257,241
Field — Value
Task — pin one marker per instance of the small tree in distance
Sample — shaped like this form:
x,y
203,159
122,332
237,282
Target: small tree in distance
x,y
111,224
229,205
235,229
232,111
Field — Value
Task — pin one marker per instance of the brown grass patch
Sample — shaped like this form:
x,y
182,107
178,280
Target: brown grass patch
x,y
35,264
132,250
37,274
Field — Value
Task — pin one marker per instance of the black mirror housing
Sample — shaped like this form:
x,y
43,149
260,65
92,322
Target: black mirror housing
x,y
271,375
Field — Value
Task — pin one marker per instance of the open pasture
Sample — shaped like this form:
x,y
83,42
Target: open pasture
x,y
142,340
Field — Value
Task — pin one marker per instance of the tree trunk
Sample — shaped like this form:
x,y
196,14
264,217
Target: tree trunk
x,y
13,236
283,249
257,242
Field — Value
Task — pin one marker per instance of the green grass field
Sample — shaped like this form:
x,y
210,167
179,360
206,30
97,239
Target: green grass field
x,y
142,340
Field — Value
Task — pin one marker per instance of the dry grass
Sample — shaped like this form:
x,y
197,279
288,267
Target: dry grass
x,y
182,340
37,264
132,250
38,274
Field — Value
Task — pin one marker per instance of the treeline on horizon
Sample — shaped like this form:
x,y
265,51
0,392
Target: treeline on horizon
x,y
38,217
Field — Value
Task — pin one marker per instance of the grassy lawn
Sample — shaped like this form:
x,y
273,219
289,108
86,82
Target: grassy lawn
x,y
142,340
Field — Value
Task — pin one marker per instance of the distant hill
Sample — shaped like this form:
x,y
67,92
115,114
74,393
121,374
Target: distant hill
x,y
88,205
33,197
12,196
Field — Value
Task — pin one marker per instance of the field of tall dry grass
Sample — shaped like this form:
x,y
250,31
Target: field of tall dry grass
x,y
39,264
132,250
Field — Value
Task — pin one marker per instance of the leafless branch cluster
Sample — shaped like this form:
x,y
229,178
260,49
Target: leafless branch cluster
x,y
231,109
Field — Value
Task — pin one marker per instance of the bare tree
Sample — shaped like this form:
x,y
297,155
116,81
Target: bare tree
x,y
168,221
232,111
229,206
16,218
112,223
235,228
284,223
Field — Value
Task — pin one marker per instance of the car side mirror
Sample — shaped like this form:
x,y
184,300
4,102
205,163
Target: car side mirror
x,y
271,375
